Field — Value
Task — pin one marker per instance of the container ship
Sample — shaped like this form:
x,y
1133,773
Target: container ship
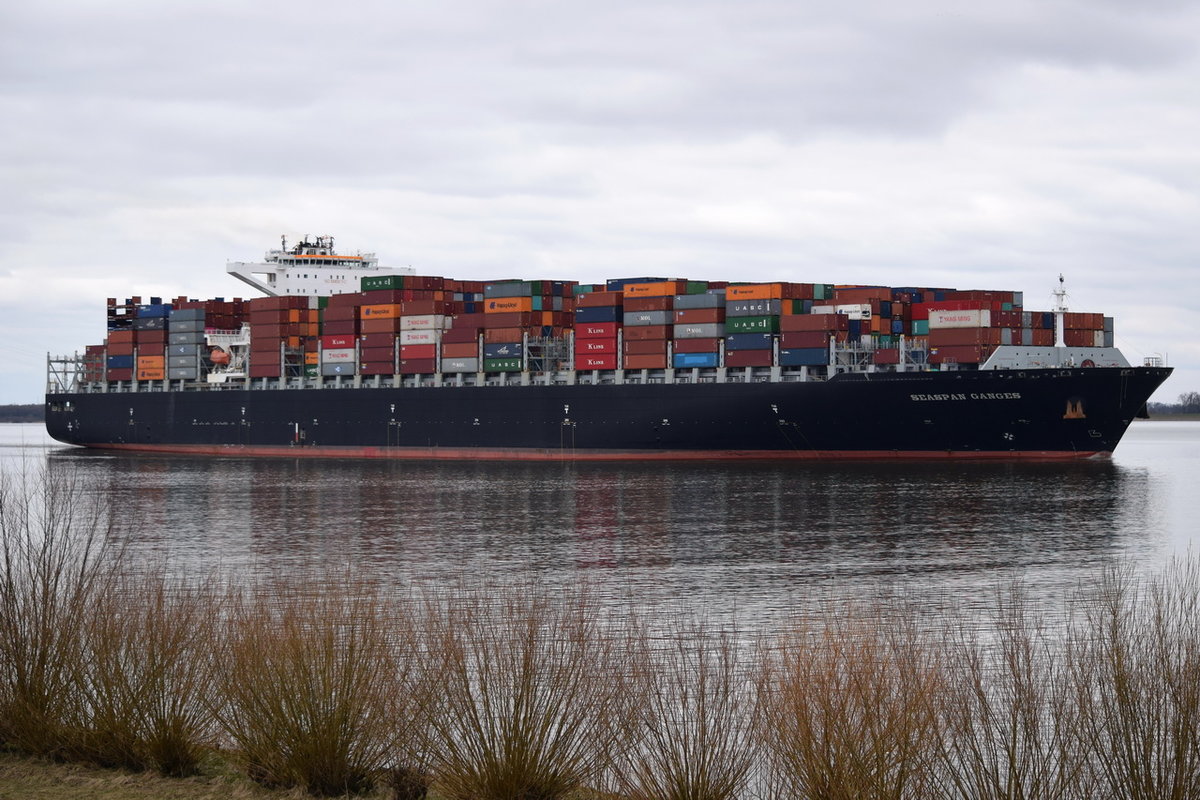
x,y
344,358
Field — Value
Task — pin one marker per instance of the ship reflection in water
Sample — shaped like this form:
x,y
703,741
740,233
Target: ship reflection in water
x,y
748,537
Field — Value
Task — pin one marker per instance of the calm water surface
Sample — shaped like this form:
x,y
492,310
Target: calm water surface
x,y
749,539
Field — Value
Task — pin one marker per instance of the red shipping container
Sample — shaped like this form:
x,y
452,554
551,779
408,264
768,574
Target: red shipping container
x,y
597,299
646,362
468,321
117,337
955,337
595,346
887,355
697,345
120,374
264,370
748,358
419,308
339,313
643,332
329,342
961,354
803,339
120,348
382,325
513,319
651,347
417,352
699,316
377,354
418,366
597,330
373,340
376,368
596,361
341,328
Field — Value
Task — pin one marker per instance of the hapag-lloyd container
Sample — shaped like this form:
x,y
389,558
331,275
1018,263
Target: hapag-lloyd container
x,y
967,318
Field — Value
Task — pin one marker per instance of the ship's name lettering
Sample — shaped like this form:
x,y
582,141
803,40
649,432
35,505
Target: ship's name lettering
x,y
971,396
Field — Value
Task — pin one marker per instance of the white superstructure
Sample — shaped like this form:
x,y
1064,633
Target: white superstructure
x,y
310,268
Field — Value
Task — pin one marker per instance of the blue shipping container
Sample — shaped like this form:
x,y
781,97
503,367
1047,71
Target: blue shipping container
x,y
503,350
690,360
599,314
120,362
803,357
156,310
748,341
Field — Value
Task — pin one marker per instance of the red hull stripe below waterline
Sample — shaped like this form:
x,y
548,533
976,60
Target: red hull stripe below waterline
x,y
518,454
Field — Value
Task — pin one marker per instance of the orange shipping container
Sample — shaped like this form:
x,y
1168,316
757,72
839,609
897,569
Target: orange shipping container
x,y
460,349
657,289
151,362
384,311
151,374
508,305
755,291
646,362
380,325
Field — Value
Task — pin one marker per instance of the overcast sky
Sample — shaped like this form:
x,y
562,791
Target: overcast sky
x,y
968,144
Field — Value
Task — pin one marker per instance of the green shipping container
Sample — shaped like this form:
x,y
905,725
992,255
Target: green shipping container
x,y
768,324
502,365
822,291
696,287
920,327
374,282
312,370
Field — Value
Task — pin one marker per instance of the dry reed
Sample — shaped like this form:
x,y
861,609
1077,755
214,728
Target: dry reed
x,y
850,708
534,693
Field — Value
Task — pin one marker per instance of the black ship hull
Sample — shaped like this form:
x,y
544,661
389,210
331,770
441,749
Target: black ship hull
x,y
1031,414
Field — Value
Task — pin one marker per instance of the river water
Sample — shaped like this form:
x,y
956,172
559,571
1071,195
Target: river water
x,y
747,539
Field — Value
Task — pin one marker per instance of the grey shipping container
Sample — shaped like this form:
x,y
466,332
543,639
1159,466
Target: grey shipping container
x,y
182,361
183,374
460,365
185,338
180,314
184,349
752,308
649,317
338,368
514,289
150,323
705,330
684,302
187,325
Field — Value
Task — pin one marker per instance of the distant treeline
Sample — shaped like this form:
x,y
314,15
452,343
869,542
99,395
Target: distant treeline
x,y
34,412
1189,403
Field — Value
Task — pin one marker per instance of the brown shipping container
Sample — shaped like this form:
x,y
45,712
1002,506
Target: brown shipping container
x,y
150,337
643,332
513,319
747,358
458,335
385,325
460,349
955,337
814,322
961,354
501,335
417,352
699,316
120,374
646,362
118,337
474,321
419,308
120,348
264,370
418,366
377,368
887,355
803,339
377,354
347,327
651,347
649,302
697,345
340,314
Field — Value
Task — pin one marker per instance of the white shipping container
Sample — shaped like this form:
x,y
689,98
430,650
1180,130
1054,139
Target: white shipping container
x,y
421,336
972,318
460,365
423,322
851,310
341,355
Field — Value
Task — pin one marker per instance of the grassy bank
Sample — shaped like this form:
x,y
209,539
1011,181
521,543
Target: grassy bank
x,y
327,684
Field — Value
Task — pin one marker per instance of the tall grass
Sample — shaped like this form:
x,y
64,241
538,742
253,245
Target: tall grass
x,y
55,566
851,708
305,679
695,738
534,696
